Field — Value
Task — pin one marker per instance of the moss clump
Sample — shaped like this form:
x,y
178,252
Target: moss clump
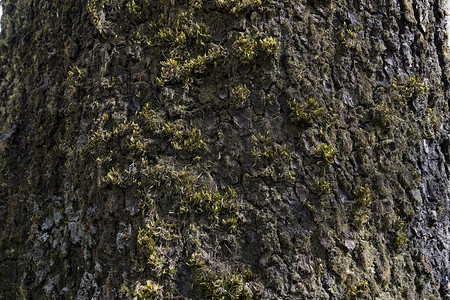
x,y
210,201
152,119
138,9
91,7
189,198
227,287
348,37
363,200
113,177
245,49
149,291
363,196
239,95
184,30
189,139
264,149
359,289
409,89
401,238
271,159
190,193
306,113
215,285
269,46
431,123
361,217
154,242
175,69
75,77
324,188
237,6
385,115
326,153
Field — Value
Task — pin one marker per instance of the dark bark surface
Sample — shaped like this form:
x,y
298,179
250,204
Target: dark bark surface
x,y
224,149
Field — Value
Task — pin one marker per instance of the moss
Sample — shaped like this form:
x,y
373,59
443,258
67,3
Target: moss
x,y
152,119
306,113
92,11
326,153
272,160
154,242
359,289
269,46
237,6
191,194
431,123
113,177
324,188
189,140
363,196
221,286
184,28
348,37
385,115
229,287
401,238
360,218
264,149
124,291
75,76
149,291
197,4
239,95
408,89
137,8
245,49
175,71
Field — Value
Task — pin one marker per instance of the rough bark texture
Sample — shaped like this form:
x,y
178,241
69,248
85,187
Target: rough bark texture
x,y
224,149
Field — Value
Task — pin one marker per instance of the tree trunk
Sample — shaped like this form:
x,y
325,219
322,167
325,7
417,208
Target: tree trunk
x,y
224,149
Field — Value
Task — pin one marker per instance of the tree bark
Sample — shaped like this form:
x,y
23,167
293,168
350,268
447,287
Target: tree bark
x,y
224,149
